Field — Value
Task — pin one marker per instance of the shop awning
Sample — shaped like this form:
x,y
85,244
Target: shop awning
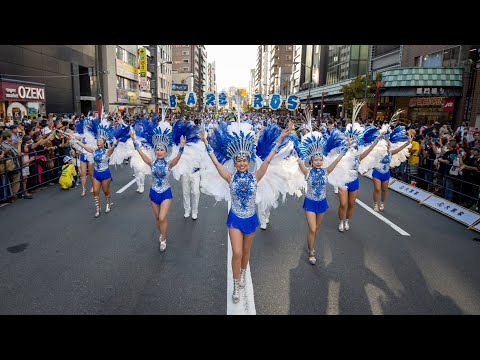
x,y
418,76
409,92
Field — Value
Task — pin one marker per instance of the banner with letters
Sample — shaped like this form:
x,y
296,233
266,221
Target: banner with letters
x,y
410,191
452,210
222,99
275,102
293,102
257,101
191,99
172,99
210,99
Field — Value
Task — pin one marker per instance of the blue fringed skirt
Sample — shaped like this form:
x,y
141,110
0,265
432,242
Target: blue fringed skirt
x,y
353,185
382,177
102,175
245,225
158,198
317,207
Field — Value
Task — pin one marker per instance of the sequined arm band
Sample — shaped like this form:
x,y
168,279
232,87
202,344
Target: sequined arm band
x,y
276,148
136,145
209,148
180,149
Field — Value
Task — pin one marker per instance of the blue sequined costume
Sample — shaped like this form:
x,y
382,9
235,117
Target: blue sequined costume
x,y
160,189
355,184
101,171
382,172
243,191
316,197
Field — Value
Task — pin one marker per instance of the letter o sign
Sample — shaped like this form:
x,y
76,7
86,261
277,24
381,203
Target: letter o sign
x,y
21,92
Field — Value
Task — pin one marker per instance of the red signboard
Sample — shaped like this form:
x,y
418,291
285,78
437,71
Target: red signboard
x,y
448,104
11,91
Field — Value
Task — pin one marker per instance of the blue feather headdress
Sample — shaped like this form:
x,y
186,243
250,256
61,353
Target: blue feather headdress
x,y
233,141
312,145
101,129
397,135
369,135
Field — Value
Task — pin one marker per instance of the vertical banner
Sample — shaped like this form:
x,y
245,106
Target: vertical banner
x,y
191,100
293,101
210,100
173,101
222,99
257,101
142,68
275,102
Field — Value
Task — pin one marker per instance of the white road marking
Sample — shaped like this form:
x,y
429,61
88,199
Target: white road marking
x,y
126,187
333,297
3,205
384,219
246,305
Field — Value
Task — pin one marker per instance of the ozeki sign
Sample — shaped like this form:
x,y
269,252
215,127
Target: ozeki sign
x,y
448,208
10,91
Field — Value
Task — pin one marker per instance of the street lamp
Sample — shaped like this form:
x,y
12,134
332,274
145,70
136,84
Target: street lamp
x,y
310,82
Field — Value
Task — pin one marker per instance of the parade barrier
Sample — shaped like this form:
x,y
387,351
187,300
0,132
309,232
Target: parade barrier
x,y
434,202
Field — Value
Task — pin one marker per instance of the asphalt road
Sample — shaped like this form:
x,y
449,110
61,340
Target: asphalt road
x,y
56,258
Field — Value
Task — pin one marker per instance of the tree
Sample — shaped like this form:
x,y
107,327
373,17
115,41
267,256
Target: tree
x,y
356,90
181,102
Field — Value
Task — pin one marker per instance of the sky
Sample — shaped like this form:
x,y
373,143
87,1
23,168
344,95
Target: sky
x,y
232,64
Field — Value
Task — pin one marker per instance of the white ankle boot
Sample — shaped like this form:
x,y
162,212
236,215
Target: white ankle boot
x,y
236,291
243,274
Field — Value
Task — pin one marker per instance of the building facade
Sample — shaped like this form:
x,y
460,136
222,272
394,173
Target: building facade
x,y
281,61
63,79
192,59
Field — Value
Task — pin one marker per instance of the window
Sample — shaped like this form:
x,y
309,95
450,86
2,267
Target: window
x,y
418,61
185,61
185,52
186,69
288,57
289,47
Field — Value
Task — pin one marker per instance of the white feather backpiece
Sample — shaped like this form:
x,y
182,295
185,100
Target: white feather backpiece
x,y
372,160
401,156
343,173
191,157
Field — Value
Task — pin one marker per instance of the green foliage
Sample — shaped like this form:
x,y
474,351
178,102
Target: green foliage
x,y
181,102
356,90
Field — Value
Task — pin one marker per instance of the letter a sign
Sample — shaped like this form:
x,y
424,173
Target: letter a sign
x,y
191,99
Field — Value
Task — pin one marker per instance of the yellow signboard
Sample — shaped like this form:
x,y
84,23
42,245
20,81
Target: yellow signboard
x,y
243,92
142,67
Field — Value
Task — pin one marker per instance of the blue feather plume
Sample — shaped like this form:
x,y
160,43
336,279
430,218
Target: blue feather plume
x,y
187,129
267,139
219,142
335,140
79,126
122,132
399,134
369,135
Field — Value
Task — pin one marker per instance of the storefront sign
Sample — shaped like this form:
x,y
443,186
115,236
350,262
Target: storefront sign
x,y
142,67
452,210
126,70
410,191
11,91
132,97
145,95
448,104
427,101
122,95
179,87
